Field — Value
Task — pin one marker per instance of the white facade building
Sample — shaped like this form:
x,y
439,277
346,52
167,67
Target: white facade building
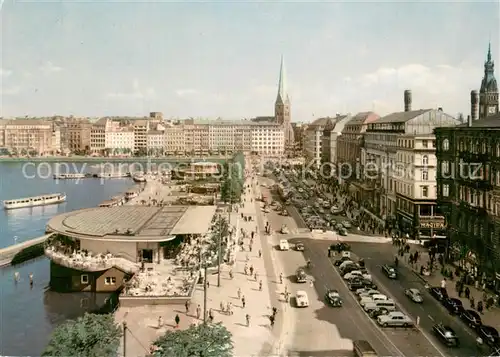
x,y
268,139
156,141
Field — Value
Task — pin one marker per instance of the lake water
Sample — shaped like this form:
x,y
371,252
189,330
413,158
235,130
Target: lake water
x,y
29,315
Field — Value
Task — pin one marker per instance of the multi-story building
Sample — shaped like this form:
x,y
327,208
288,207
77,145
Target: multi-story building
x,y
468,183
141,127
3,124
76,133
267,139
382,169
196,137
119,138
174,139
313,138
349,144
156,142
56,139
331,134
28,136
98,136
298,132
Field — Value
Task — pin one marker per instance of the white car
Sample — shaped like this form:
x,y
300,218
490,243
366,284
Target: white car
x,y
369,293
395,319
284,245
373,298
414,295
301,299
358,273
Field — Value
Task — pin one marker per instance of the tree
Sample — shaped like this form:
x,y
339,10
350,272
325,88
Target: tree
x,y
89,336
205,340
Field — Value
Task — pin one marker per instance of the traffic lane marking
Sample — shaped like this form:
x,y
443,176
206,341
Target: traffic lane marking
x,y
353,313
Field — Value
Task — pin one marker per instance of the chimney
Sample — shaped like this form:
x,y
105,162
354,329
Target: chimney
x,y
440,109
407,100
474,104
469,121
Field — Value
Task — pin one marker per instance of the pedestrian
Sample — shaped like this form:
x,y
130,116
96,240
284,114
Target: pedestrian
x,y
198,311
281,278
443,283
177,320
251,269
248,259
160,321
255,275
467,292
260,253
271,319
287,296
260,285
210,315
250,247
247,317
243,301
286,289
239,293
231,274
480,307
472,302
222,309
187,306
229,308
246,269
275,311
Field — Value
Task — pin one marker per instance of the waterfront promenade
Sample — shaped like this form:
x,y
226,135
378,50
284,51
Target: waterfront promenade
x,y
6,254
257,339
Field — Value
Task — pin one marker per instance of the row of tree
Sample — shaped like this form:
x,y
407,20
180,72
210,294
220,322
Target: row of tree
x,y
99,336
233,181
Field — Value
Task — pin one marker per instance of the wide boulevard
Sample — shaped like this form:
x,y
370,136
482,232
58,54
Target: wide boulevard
x,y
320,330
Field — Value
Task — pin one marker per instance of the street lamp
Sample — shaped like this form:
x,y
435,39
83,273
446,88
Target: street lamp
x,y
203,260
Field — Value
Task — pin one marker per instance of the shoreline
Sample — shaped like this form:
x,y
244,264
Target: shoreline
x,y
113,159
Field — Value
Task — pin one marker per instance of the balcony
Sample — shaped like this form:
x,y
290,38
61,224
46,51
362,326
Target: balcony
x,y
85,261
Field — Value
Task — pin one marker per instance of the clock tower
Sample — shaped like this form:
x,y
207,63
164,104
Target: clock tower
x,y
488,95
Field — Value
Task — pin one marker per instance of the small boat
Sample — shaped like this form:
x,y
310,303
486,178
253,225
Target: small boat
x,y
139,177
131,194
42,200
69,176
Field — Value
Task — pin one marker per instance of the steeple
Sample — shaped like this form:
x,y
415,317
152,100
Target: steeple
x,y
489,83
489,52
282,93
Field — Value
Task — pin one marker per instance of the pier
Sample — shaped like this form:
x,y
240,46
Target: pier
x,y
24,251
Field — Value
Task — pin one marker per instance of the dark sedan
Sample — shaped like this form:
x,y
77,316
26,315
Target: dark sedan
x,y
453,305
340,247
471,318
439,293
333,298
489,335
446,335
358,283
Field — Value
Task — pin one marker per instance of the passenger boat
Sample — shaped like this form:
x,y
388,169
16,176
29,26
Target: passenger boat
x,y
112,175
69,176
139,177
43,200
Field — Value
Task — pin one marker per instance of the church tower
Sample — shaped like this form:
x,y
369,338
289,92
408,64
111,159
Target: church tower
x,y
488,94
282,108
282,104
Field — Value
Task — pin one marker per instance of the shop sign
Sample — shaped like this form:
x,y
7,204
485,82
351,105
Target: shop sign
x,y
434,225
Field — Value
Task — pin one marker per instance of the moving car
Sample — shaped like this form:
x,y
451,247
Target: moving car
x,y
390,271
438,292
299,247
488,334
453,305
471,318
333,298
414,295
363,348
301,299
446,335
394,319
301,276
284,245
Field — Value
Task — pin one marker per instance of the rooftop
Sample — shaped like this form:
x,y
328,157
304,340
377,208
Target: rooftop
x,y
133,223
492,121
400,117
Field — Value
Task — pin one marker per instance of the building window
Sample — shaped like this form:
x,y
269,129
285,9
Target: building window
x,y
110,280
425,160
425,191
446,145
84,279
445,167
425,175
446,190
425,143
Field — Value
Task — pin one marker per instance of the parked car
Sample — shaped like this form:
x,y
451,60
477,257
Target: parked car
x,y
339,247
348,268
301,299
368,293
446,335
453,305
343,232
394,319
341,260
390,271
438,292
471,318
378,311
301,276
414,295
362,273
333,298
489,335
284,245
374,298
299,247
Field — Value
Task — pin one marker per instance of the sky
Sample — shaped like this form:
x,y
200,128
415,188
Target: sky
x,y
221,58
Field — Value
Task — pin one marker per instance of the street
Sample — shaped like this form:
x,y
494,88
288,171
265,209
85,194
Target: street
x,y
430,311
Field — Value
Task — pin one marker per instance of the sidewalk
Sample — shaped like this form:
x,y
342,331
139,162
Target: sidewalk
x,y
489,317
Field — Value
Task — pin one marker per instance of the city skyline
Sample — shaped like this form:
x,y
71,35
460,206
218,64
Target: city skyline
x,y
90,59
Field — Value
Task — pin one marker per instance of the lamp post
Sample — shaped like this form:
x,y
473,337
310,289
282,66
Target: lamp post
x,y
204,262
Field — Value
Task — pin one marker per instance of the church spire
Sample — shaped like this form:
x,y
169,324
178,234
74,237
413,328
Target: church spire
x,y
282,91
489,52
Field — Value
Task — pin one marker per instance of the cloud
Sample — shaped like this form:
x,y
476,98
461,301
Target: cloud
x,y
49,67
186,92
136,93
5,72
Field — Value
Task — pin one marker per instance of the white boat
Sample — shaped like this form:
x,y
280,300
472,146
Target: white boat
x,y
69,176
111,175
43,200
139,177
